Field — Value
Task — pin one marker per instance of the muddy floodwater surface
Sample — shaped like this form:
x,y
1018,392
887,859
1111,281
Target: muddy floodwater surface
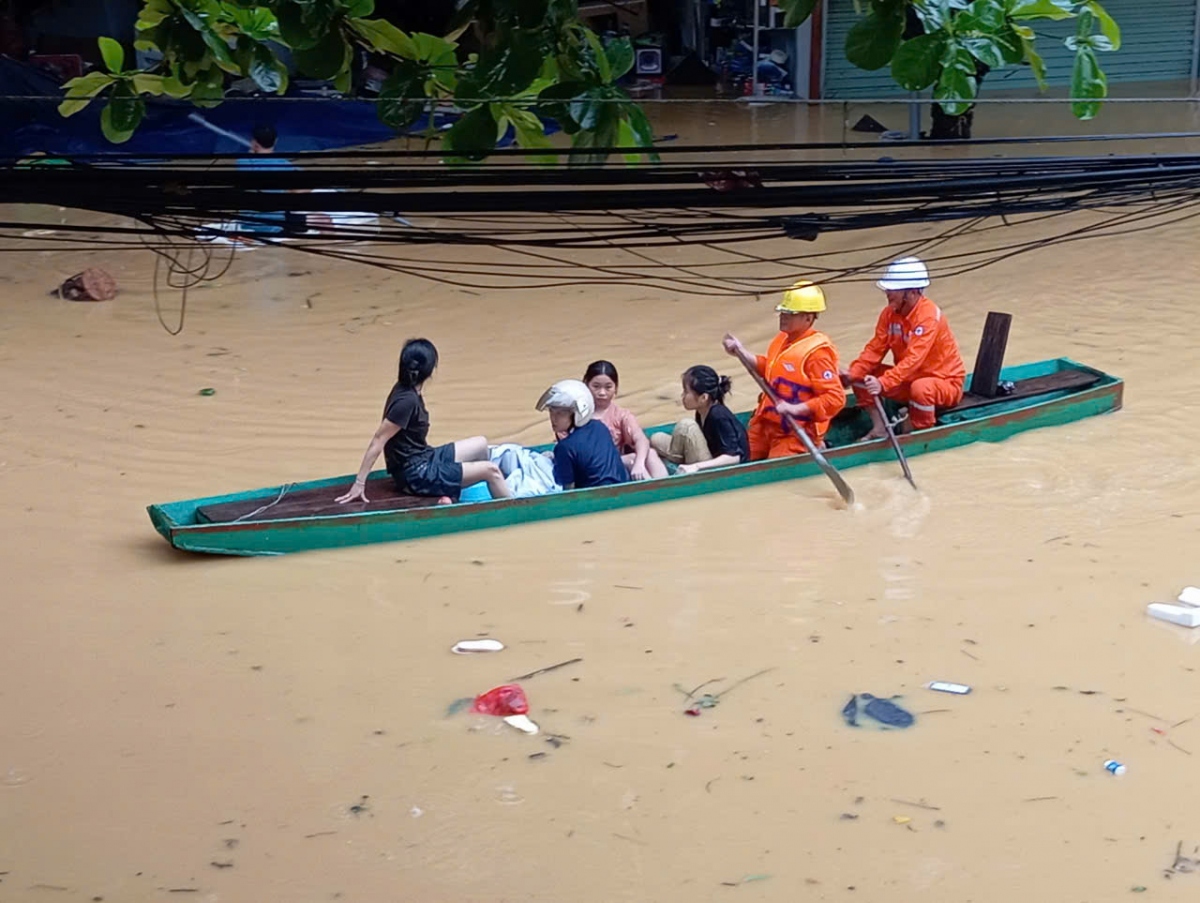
x,y
189,727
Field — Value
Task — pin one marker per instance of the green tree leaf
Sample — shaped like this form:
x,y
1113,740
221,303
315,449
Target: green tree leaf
x,y
216,44
79,91
173,87
121,116
642,131
934,14
209,88
1041,9
258,23
152,13
872,41
603,69
557,100
639,125
917,62
400,98
385,37
956,86
986,50
1010,45
1026,36
294,28
146,83
625,138
528,129
357,9
113,54
990,14
1089,84
521,13
267,71
326,58
1108,26
620,57
797,11
474,136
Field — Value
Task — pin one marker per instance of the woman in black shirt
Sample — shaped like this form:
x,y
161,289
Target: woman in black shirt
x,y
715,437
415,466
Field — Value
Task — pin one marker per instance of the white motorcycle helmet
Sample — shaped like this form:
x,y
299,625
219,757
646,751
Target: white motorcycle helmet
x,y
572,394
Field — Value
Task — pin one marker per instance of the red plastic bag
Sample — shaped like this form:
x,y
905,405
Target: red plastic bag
x,y
505,700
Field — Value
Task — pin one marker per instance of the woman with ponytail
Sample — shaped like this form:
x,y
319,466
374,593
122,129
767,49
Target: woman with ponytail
x,y
714,437
417,468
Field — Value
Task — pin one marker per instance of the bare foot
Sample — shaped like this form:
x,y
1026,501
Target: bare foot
x,y
873,435
445,500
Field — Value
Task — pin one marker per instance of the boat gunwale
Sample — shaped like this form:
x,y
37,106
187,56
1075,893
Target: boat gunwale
x,y
169,527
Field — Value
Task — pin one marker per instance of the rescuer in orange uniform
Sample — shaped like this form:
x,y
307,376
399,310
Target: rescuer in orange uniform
x,y
801,365
928,371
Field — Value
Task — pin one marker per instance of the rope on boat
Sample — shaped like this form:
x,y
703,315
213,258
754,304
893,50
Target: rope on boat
x,y
257,511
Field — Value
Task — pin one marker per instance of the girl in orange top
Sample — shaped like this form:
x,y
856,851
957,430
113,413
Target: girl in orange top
x,y
643,462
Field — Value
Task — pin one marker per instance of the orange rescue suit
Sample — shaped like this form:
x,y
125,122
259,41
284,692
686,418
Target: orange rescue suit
x,y
801,370
928,372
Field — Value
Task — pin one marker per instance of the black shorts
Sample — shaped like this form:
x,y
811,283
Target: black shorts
x,y
435,473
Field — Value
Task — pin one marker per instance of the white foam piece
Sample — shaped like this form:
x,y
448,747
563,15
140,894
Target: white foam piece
x,y
1183,615
1190,596
522,723
464,647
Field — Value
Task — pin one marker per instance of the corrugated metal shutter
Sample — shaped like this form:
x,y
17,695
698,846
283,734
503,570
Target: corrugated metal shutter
x,y
1156,45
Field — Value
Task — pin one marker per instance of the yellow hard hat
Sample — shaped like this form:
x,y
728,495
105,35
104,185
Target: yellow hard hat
x,y
802,298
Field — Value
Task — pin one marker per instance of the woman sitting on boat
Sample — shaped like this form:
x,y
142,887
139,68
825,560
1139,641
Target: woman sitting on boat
x,y
714,437
417,468
585,455
640,459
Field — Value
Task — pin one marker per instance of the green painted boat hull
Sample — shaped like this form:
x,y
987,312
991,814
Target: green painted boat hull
x,y
177,521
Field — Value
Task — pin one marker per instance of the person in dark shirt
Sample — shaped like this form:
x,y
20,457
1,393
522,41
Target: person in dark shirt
x,y
417,468
585,455
715,437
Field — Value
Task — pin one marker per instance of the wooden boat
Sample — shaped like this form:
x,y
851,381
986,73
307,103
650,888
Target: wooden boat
x,y
304,516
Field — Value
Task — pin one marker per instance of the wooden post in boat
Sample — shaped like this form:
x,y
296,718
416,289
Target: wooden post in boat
x,y
990,359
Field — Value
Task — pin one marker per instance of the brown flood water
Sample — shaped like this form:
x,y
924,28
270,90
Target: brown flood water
x,y
162,716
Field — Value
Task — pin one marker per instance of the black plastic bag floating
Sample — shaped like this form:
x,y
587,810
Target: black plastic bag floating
x,y
885,711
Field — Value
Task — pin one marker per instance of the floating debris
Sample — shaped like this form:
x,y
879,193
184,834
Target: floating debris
x,y
466,647
885,711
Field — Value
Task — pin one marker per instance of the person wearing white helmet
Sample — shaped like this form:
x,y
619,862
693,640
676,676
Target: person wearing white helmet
x,y
801,365
585,455
927,372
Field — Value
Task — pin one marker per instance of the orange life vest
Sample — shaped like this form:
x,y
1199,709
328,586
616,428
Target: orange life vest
x,y
784,372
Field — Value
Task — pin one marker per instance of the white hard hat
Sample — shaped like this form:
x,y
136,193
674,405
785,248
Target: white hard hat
x,y
905,273
570,393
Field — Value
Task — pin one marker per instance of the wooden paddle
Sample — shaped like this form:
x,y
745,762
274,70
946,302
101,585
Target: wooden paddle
x,y
828,469
891,434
